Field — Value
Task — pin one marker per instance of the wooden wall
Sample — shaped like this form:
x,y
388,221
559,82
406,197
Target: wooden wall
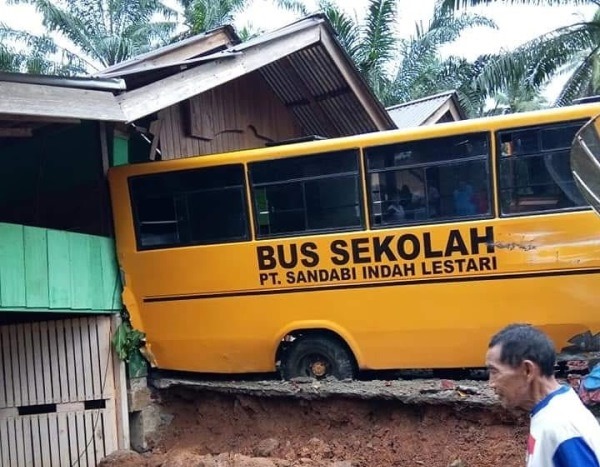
x,y
241,114
51,270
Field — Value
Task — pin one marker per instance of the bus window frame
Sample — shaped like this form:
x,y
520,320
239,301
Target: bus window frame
x,y
499,157
492,192
360,190
136,224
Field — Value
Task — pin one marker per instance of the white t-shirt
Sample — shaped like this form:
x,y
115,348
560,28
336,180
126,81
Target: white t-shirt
x,y
563,432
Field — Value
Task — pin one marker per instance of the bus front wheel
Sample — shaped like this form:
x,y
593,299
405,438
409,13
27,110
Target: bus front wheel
x,y
318,356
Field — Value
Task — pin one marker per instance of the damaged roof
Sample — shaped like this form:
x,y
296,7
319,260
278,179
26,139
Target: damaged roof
x,y
303,63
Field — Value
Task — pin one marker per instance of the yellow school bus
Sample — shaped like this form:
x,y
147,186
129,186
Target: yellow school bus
x,y
403,249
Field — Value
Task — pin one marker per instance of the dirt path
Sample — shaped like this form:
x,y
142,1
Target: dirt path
x,y
312,429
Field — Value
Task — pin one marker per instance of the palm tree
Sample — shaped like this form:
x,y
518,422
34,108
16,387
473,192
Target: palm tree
x,y
105,32
23,52
403,70
204,15
421,69
574,49
372,45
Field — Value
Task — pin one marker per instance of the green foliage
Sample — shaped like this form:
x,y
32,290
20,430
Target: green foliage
x,y
127,341
105,32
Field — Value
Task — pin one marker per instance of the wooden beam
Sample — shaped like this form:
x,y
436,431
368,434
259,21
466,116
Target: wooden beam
x,y
27,99
169,91
37,118
365,96
16,132
170,54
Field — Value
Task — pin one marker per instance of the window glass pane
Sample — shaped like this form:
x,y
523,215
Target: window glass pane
x,y
190,207
428,151
309,193
538,178
441,179
304,167
216,215
157,221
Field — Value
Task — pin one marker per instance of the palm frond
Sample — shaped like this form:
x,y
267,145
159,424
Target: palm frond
x,y
458,4
378,37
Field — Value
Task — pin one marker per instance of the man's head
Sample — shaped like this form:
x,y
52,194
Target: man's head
x,y
519,357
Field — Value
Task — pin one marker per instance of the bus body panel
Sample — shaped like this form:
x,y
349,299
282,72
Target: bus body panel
x,y
416,296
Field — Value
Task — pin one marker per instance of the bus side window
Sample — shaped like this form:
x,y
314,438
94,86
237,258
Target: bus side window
x,y
534,170
429,180
190,207
312,193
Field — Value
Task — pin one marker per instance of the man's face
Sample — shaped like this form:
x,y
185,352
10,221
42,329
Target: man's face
x,y
511,384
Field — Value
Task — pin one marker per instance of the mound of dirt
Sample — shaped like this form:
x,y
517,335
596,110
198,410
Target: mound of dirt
x,y
216,429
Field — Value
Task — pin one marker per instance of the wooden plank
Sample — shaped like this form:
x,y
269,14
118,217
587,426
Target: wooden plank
x,y
90,437
120,409
110,434
105,351
56,351
88,374
12,266
8,400
36,267
45,360
61,102
166,92
21,386
19,445
27,438
73,438
96,299
98,428
80,370
4,443
12,440
111,282
59,277
35,118
36,440
81,274
45,436
30,390
165,56
95,368
38,364
64,446
81,439
70,368
54,443
63,362
2,373
16,132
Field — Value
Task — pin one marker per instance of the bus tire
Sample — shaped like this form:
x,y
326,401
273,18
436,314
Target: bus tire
x,y
318,356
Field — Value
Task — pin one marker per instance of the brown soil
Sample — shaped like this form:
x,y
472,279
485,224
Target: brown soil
x,y
282,431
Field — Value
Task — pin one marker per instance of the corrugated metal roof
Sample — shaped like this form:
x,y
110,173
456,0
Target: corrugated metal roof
x,y
416,113
309,83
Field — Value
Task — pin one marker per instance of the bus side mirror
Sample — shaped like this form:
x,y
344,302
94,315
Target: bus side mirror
x,y
585,161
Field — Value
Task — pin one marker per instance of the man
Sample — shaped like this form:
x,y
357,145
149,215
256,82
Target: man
x,y
563,432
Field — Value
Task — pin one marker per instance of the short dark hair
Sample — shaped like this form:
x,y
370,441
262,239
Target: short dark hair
x,y
521,342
